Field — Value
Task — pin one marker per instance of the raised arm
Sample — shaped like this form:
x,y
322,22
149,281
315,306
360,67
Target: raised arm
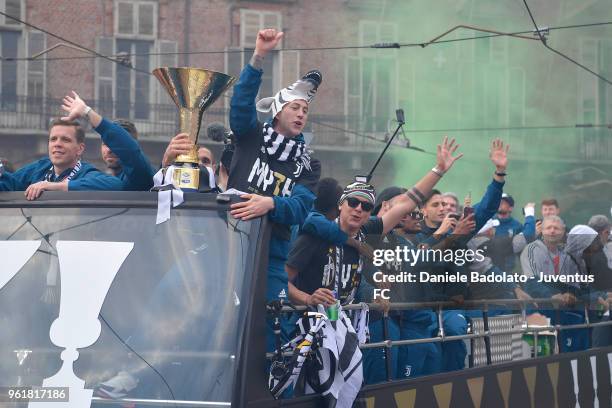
x,y
243,114
489,204
136,166
417,194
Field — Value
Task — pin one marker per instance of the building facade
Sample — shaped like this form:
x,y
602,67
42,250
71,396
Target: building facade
x,y
498,82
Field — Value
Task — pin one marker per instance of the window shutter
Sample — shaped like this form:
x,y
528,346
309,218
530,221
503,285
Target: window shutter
x,y
250,23
105,72
12,8
35,68
368,33
125,18
353,92
167,51
167,58
36,44
234,62
290,67
387,33
146,16
271,20
587,84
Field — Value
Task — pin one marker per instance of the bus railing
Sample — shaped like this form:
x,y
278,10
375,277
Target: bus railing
x,y
482,305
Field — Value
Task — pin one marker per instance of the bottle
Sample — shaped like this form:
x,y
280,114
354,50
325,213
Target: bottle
x,y
601,310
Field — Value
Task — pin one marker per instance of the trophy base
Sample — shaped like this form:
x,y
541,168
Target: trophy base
x,y
186,176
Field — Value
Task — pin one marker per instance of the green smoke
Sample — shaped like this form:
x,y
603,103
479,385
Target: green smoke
x,y
535,96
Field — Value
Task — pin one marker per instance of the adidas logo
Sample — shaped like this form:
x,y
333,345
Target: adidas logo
x,y
282,294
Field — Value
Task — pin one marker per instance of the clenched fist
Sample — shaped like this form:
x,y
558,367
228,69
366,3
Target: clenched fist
x,y
267,39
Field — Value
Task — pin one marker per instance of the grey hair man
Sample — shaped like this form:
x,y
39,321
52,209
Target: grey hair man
x,y
601,224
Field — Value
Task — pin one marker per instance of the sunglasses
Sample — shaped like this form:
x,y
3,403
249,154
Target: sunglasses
x,y
416,215
354,203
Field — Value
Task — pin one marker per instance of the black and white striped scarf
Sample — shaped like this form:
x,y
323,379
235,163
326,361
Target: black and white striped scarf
x,y
50,174
336,269
326,359
281,148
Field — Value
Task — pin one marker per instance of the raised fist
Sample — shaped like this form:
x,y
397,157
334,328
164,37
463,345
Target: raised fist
x,y
267,39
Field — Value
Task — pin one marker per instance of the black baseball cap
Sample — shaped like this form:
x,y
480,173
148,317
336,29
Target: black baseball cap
x,y
386,195
508,198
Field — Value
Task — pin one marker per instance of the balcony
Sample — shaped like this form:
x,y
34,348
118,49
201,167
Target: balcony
x,y
158,122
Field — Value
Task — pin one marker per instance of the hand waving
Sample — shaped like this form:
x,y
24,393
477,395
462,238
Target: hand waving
x,y
445,158
499,154
74,106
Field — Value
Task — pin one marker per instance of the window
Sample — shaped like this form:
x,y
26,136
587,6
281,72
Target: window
x,y
280,68
595,96
12,8
35,84
371,89
465,88
166,111
125,93
10,42
10,46
122,91
482,50
105,74
516,97
234,62
251,21
136,19
201,358
133,88
290,67
605,92
587,83
499,50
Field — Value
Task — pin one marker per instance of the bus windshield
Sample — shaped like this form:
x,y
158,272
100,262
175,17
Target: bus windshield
x,y
171,322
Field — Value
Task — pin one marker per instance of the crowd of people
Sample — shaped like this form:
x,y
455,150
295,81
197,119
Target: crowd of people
x,y
324,235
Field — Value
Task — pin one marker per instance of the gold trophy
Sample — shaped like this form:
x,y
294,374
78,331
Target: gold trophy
x,y
193,90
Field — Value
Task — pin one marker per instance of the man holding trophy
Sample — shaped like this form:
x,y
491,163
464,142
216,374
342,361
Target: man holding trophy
x,y
271,163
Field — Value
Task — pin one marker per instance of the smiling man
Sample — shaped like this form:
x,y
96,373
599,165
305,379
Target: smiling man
x,y
63,170
271,162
